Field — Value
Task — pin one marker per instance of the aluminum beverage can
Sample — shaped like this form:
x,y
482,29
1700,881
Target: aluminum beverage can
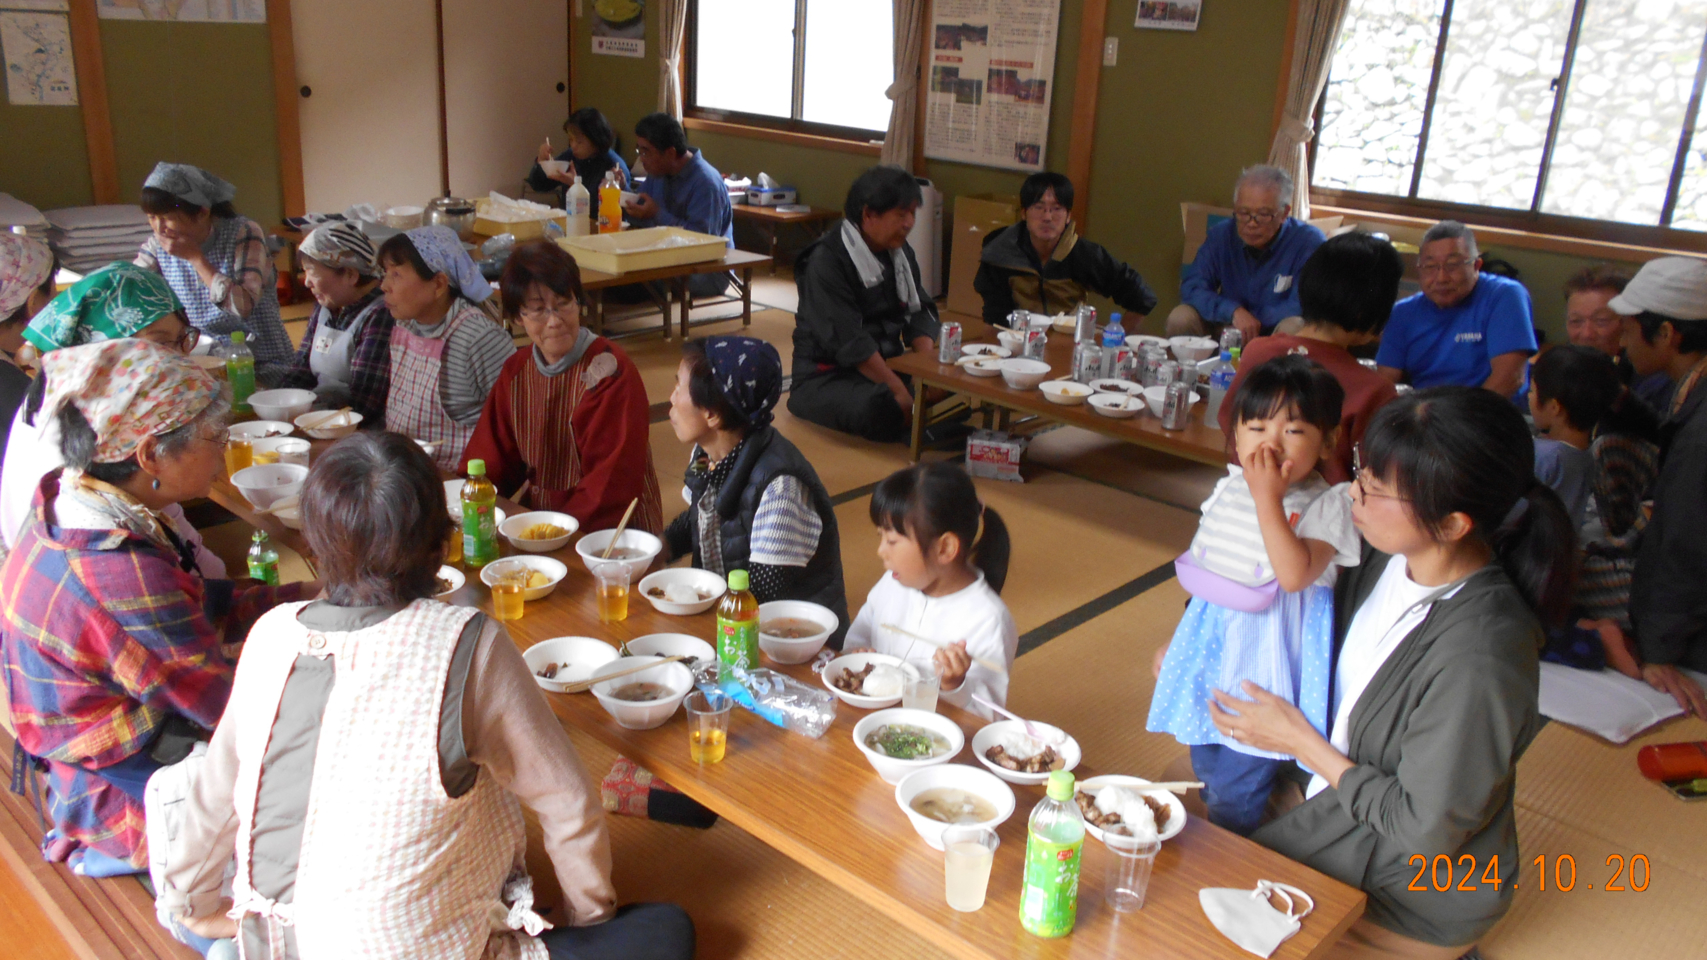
x,y
1168,373
1087,362
1176,405
1019,320
1085,325
1151,363
1125,364
948,342
1036,340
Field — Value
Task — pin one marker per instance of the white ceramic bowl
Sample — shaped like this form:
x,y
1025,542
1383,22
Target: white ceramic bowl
x,y
1024,373
269,483
805,648
707,583
593,544
448,572
260,429
1176,808
554,571
1155,396
643,715
985,350
1117,406
554,166
671,645
348,422
856,662
576,659
992,734
1138,340
1068,393
986,367
1013,340
893,770
1114,385
513,527
1192,349
286,404
960,777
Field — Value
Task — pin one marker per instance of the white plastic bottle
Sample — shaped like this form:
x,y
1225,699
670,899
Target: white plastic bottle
x,y
578,202
1220,381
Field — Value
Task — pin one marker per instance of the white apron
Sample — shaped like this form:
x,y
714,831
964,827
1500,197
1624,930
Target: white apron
x,y
414,407
329,357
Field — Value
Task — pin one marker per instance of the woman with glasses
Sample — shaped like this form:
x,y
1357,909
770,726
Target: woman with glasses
x,y
110,637
114,302
568,416
1042,265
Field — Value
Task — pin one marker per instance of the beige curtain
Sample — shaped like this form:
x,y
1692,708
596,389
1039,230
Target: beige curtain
x,y
903,94
1319,23
672,29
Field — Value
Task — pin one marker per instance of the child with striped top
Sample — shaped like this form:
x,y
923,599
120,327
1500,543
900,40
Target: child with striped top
x,y
1261,573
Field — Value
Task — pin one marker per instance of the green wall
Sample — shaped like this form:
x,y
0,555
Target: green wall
x,y
43,159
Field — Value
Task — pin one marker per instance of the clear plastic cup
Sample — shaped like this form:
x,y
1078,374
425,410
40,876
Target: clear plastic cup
x,y
967,855
507,597
920,685
708,725
612,586
1128,877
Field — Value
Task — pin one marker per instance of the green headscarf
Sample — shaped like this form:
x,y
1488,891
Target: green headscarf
x,y
114,302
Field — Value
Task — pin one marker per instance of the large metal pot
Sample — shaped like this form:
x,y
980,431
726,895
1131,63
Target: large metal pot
x,y
453,212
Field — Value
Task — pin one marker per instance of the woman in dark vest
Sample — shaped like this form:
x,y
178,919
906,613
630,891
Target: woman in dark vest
x,y
754,503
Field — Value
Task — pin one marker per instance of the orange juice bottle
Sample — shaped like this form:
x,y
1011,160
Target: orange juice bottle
x,y
738,625
610,204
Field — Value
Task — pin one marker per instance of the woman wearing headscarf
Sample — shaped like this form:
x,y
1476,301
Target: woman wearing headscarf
x,y
754,502
216,262
345,356
446,353
568,415
117,301
26,285
371,820
109,638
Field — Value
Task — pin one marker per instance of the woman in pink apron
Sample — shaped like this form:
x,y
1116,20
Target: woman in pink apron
x,y
345,356
446,353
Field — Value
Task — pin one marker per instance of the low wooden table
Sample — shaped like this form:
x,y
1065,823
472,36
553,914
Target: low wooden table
x,y
770,221
739,262
1199,441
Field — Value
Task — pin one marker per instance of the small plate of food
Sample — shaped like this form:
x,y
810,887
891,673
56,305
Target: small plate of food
x,y
869,681
539,575
1116,802
448,581
984,350
560,661
1117,406
539,531
983,366
1016,757
1065,392
1125,388
682,591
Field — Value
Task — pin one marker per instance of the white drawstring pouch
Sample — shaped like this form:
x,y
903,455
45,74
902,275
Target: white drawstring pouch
x,y
1249,917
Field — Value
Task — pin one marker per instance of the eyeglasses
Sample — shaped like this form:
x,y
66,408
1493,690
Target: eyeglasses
x,y
1047,210
1256,216
1359,492
1454,265
566,310
221,436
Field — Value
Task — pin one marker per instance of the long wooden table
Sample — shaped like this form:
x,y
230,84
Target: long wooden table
x,y
739,262
1199,441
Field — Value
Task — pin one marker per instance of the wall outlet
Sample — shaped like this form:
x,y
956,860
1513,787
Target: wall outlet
x,y
1110,51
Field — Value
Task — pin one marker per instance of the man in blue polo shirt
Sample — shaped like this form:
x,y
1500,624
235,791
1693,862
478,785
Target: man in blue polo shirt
x,y
681,190
1245,270
1466,327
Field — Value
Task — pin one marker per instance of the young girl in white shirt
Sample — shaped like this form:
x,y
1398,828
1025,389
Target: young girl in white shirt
x,y
946,557
1261,573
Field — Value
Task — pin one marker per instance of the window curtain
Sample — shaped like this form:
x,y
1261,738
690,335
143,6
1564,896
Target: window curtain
x,y
903,94
672,29
1319,23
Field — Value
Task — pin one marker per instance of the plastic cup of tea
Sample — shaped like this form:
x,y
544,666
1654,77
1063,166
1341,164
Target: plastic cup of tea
x,y
507,601
708,725
920,685
1128,877
293,451
968,853
239,455
612,591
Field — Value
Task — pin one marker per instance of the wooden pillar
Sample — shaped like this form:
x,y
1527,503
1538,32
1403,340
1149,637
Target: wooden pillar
x,y
286,115
92,98
1093,24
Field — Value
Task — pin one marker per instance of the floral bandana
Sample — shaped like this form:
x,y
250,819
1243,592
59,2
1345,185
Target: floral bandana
x,y
190,184
128,390
443,252
749,371
25,263
114,302
341,245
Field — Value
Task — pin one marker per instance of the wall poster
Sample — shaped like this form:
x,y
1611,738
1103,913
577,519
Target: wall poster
x,y
619,27
992,66
37,54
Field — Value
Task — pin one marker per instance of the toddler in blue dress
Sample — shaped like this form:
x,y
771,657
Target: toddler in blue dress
x,y
1261,572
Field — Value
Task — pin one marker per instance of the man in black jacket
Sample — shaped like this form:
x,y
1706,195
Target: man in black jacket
x,y
1042,265
1665,330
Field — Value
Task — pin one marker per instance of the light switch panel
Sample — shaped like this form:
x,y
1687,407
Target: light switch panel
x,y
1110,51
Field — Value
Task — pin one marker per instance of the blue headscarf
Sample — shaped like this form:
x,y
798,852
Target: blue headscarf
x,y
749,372
190,184
443,253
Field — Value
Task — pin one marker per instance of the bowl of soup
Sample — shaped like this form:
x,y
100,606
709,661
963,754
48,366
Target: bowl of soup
x,y
898,741
793,631
641,701
671,645
636,549
953,794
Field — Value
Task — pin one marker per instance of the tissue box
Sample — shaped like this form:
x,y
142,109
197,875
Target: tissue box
x,y
995,455
771,196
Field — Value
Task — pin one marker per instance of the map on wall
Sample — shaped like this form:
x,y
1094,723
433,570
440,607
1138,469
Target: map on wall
x,y
204,11
39,69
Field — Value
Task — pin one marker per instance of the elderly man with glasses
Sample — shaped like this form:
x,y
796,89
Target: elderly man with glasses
x,y
1246,270
1465,328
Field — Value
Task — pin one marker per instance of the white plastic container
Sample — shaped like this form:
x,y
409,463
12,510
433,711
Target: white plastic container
x,y
577,203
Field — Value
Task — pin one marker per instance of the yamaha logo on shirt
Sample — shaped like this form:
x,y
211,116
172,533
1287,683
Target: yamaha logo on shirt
x,y
1471,337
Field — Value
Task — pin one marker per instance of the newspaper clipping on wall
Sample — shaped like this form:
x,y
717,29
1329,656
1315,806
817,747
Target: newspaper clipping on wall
x,y
992,70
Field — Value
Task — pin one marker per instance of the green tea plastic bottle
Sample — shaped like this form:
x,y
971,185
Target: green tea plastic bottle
x,y
240,373
1055,840
263,559
738,625
479,518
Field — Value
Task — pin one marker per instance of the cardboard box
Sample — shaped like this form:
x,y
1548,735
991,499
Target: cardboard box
x,y
976,216
771,196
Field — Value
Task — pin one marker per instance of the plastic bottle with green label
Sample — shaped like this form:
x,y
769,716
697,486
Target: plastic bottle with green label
x,y
738,625
479,518
1055,841
240,372
263,559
